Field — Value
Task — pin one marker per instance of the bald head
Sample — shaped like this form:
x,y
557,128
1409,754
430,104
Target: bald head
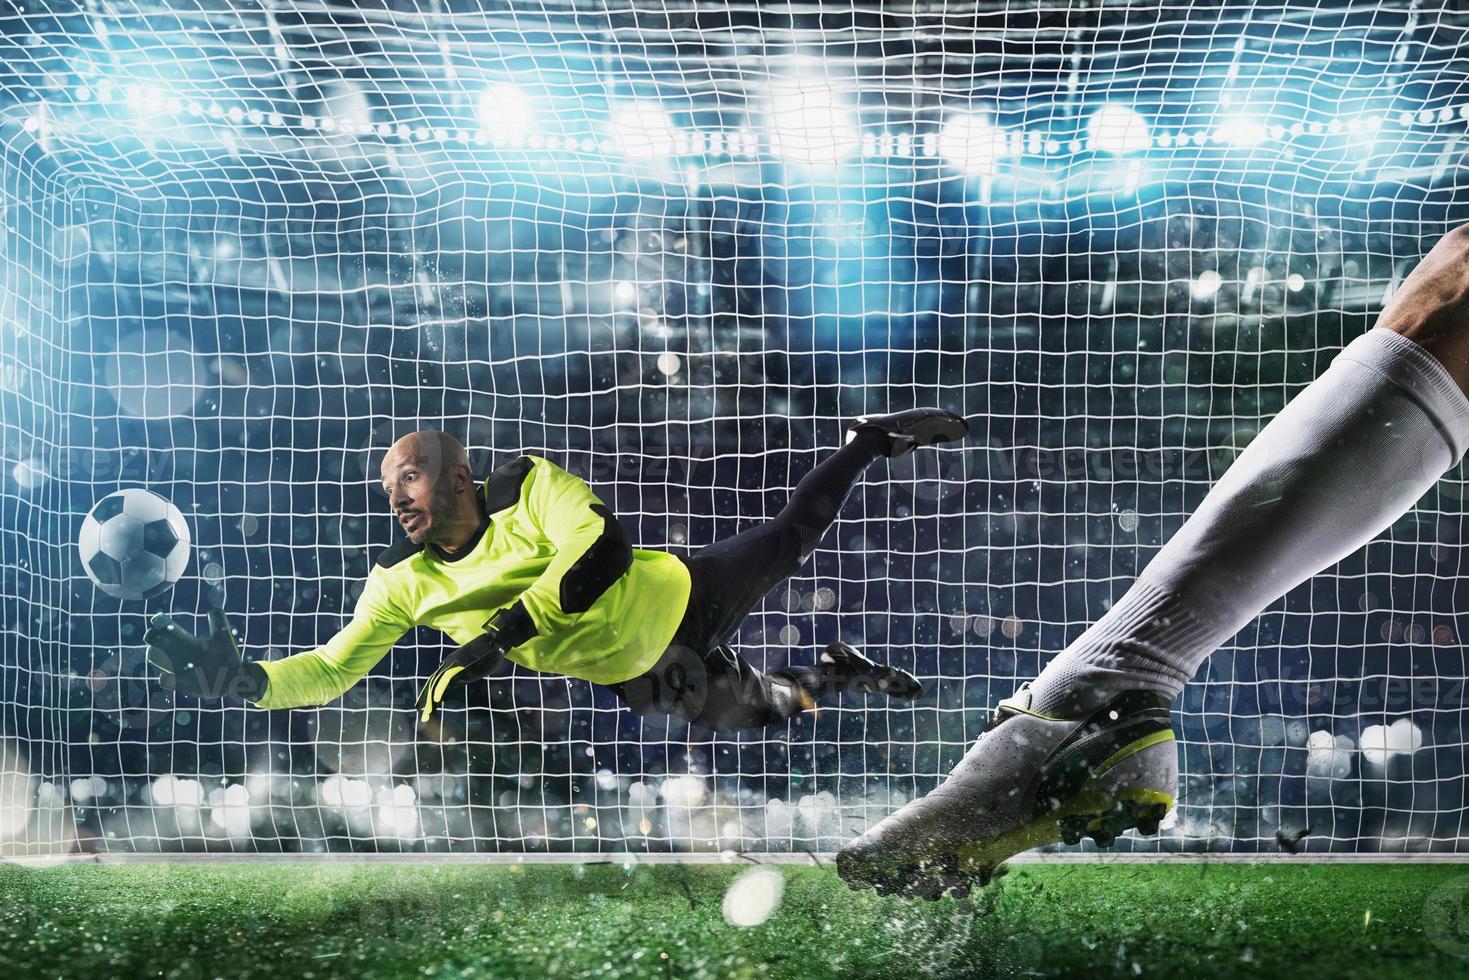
x,y
431,488
428,449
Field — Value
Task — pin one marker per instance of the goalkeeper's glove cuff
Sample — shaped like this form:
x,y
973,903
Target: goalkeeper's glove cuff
x,y
512,625
255,682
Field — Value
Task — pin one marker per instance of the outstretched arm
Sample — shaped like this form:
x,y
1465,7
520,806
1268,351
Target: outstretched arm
x,y
212,666
324,674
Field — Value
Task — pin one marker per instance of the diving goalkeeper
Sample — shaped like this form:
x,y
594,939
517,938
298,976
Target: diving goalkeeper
x,y
529,565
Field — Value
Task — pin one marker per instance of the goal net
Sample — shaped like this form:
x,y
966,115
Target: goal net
x,y
672,247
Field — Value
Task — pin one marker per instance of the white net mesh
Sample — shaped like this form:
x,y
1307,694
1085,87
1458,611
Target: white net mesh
x,y
247,244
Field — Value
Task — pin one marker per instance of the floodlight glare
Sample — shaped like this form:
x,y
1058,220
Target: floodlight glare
x,y
971,145
1207,285
1117,129
810,124
642,129
1241,132
347,104
506,113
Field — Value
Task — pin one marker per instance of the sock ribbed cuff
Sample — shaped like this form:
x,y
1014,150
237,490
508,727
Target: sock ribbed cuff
x,y
1420,376
1143,642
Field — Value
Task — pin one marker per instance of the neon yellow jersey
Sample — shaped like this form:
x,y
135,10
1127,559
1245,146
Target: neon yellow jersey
x,y
599,609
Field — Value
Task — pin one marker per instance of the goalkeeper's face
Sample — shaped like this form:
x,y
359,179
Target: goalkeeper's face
x,y
424,490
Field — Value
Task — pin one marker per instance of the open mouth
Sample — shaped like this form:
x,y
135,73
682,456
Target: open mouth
x,y
410,521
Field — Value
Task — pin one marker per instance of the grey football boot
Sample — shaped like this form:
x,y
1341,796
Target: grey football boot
x,y
1029,780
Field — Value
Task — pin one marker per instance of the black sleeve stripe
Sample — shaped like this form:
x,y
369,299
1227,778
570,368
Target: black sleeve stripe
x,y
397,552
599,566
502,487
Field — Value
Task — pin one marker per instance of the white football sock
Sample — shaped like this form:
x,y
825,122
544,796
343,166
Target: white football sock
x,y
1344,459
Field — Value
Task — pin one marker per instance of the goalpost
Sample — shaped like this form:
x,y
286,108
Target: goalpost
x,y
673,246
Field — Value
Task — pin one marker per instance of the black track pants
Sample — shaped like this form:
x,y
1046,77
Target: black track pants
x,y
701,678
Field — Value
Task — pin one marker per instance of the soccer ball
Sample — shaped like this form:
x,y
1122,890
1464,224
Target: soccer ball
x,y
134,544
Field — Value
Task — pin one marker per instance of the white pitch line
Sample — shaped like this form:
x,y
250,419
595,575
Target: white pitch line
x,y
716,858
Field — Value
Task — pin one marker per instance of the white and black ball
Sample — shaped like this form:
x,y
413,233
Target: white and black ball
x,y
134,544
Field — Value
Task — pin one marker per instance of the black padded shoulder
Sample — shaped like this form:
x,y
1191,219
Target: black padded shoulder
x,y
502,487
599,567
398,551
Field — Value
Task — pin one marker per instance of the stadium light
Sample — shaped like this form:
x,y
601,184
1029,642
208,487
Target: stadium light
x,y
397,811
1253,279
1207,285
506,113
809,123
642,130
145,98
1379,743
971,145
347,106
1117,129
1241,131
29,474
1329,756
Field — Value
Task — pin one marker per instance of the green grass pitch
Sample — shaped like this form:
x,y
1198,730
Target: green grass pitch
x,y
438,920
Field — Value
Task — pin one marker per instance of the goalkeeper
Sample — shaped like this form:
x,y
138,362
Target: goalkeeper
x,y
529,565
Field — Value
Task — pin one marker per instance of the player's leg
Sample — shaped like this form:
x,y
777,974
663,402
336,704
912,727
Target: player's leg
x,y
739,571
720,690
704,680
1340,463
732,576
739,696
